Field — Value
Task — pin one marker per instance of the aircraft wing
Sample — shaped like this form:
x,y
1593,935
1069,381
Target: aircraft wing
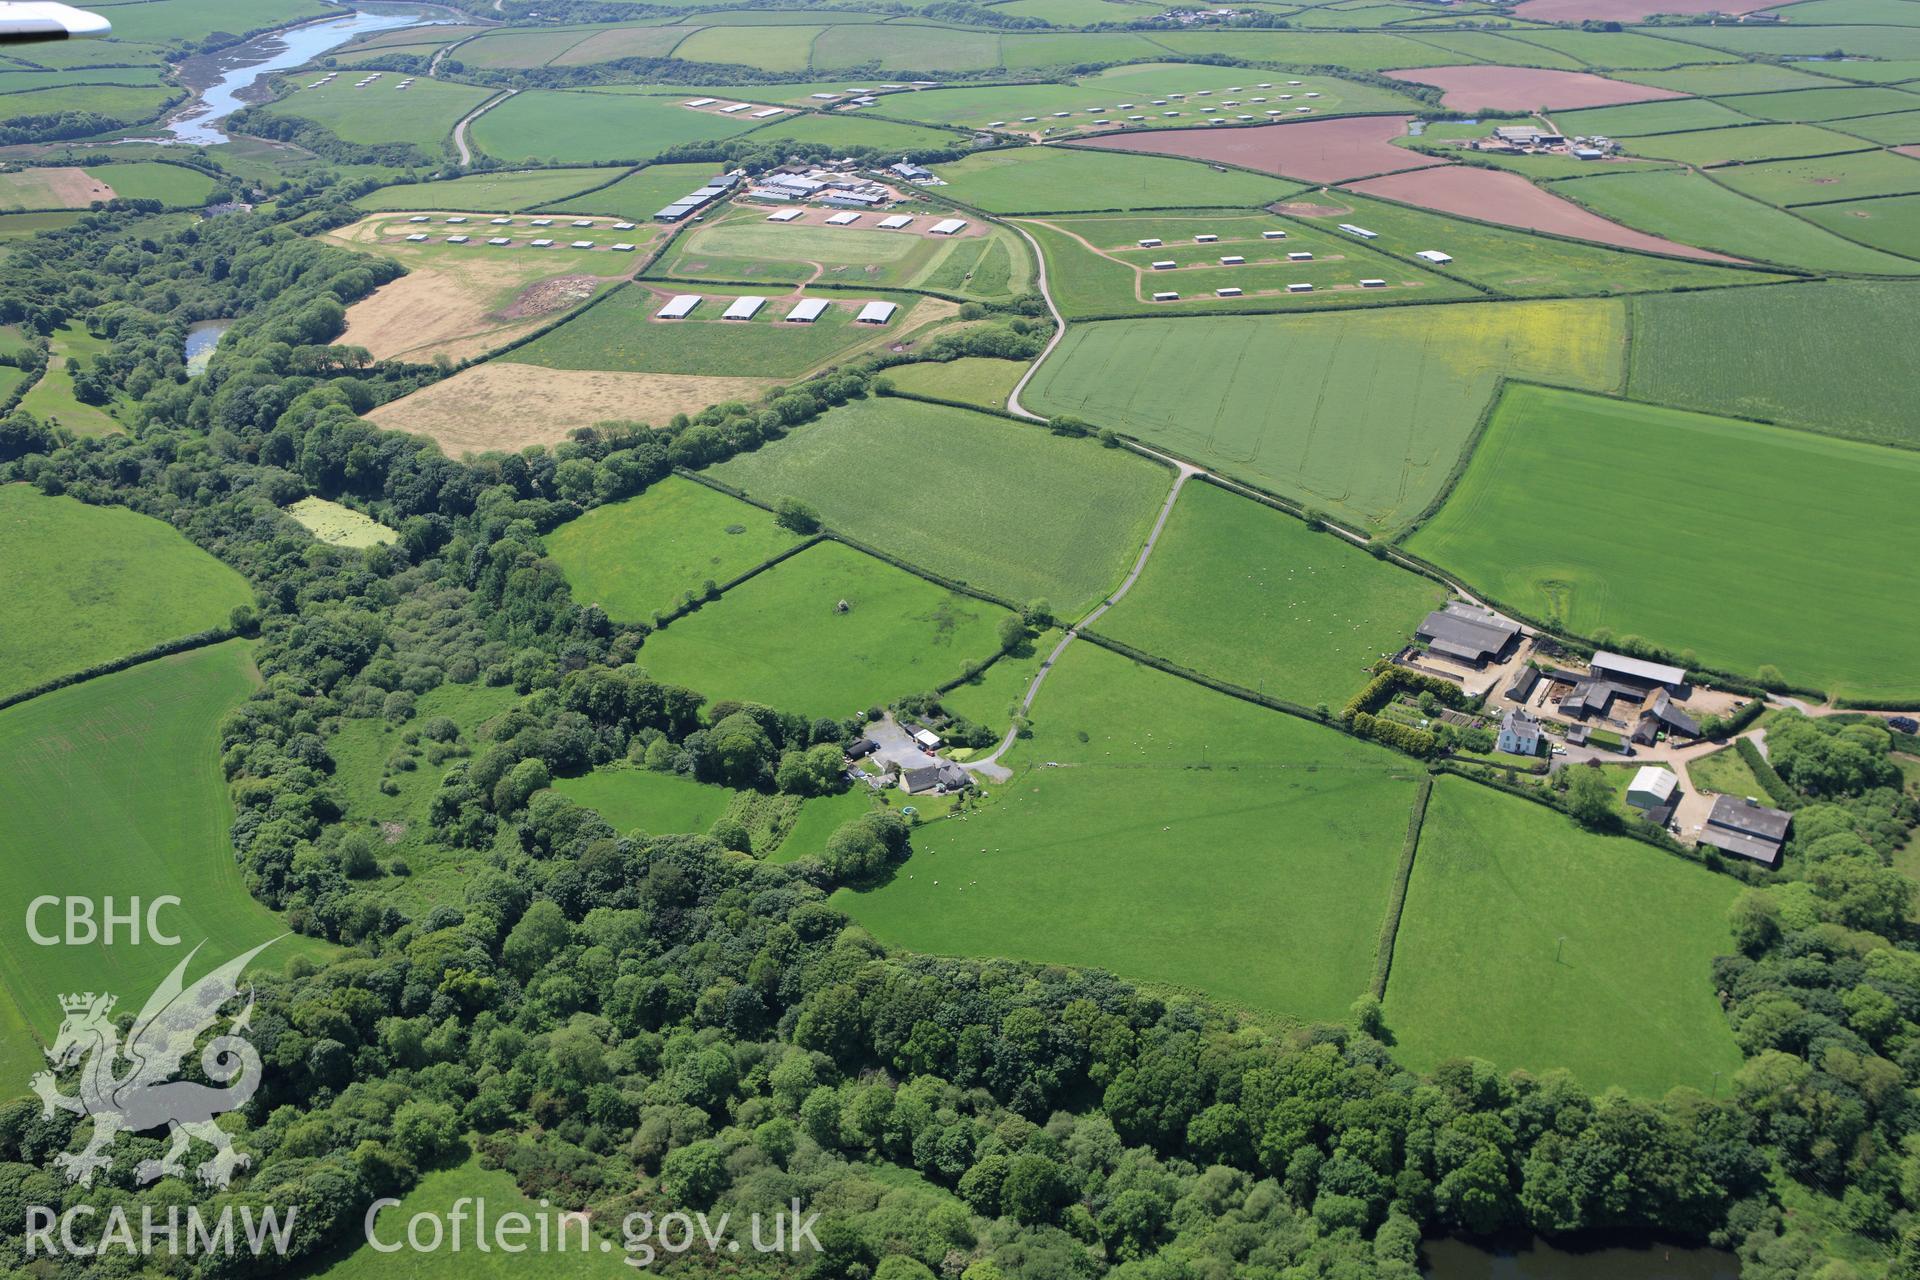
x,y
32,21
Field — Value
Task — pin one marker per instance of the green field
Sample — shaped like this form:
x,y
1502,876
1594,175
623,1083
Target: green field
x,y
743,245
970,379
563,127
1202,842
114,787
1794,552
423,114
1240,592
507,191
622,334
1694,209
842,130
173,185
819,818
1899,129
1502,953
1725,772
639,557
989,698
1744,145
1097,267
639,195
435,1195
1057,180
84,585
1362,413
1003,506
1831,356
781,639
1850,177
642,800
1891,223
1636,119
1736,77
1514,263
908,47
1823,104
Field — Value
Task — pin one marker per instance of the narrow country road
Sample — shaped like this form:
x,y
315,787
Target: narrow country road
x,y
460,130
1059,331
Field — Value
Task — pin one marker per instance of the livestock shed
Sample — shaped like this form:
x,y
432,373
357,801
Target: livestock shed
x,y
876,313
1652,788
1744,826
679,308
1469,633
949,226
895,222
743,308
807,310
1626,670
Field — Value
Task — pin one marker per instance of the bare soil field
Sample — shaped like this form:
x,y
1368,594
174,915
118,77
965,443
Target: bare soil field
x,y
1492,195
1479,88
1313,150
1913,151
501,405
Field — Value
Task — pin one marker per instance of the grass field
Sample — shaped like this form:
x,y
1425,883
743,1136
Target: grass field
x,y
1743,145
1725,772
1822,104
173,185
1891,223
989,698
1362,413
819,818
639,195
1830,356
424,114
638,557
1097,267
1772,564
114,787
436,1193
971,379
340,525
1639,118
743,245
1202,842
52,398
621,334
841,130
507,191
1850,177
1897,129
920,48
564,127
1056,180
781,639
1514,263
1693,209
642,800
1241,592
1003,506
98,583
1502,955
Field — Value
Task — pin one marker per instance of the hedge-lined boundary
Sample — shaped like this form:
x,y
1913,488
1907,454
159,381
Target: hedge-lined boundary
x,y
1770,780
166,648
1397,899
699,601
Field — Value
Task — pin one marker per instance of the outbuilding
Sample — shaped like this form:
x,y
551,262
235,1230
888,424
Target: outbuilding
x,y
876,313
807,310
842,219
895,223
784,215
743,308
1653,788
1166,297
949,226
679,307
1746,827
1434,255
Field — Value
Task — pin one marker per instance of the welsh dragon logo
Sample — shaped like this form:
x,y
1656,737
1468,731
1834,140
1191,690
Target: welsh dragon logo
x,y
130,1087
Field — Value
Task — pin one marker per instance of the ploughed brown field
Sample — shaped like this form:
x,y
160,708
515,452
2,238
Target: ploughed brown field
x,y
1626,10
1481,88
1493,195
1312,150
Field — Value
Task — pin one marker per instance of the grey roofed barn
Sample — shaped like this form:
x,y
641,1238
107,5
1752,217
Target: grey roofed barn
x,y
1750,818
1462,631
1619,666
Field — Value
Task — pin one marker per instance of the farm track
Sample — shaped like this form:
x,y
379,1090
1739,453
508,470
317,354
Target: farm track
x,y
460,129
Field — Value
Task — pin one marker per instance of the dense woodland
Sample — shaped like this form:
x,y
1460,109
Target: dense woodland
x,y
631,1021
